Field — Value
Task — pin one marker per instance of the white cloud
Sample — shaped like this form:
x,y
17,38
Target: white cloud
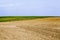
x,y
30,6
9,6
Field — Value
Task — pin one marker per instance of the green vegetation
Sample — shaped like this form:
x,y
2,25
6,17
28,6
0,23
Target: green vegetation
x,y
17,18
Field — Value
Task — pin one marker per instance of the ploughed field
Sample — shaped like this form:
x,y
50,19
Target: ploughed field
x,y
35,29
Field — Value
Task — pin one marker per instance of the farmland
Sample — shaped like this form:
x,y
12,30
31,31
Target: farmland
x,y
19,18
30,28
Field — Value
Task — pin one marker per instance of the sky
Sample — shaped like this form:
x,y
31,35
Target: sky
x,y
29,7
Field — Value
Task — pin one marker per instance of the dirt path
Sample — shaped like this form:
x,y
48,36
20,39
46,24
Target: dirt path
x,y
38,29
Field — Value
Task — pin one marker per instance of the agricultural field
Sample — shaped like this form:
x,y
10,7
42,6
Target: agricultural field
x,y
19,18
29,28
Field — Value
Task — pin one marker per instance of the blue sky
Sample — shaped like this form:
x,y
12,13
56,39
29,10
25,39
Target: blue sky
x,y
29,7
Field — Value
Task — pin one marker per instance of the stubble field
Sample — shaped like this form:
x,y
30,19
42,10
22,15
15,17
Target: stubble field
x,y
35,29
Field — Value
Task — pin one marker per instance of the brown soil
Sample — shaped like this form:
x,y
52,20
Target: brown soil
x,y
37,29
